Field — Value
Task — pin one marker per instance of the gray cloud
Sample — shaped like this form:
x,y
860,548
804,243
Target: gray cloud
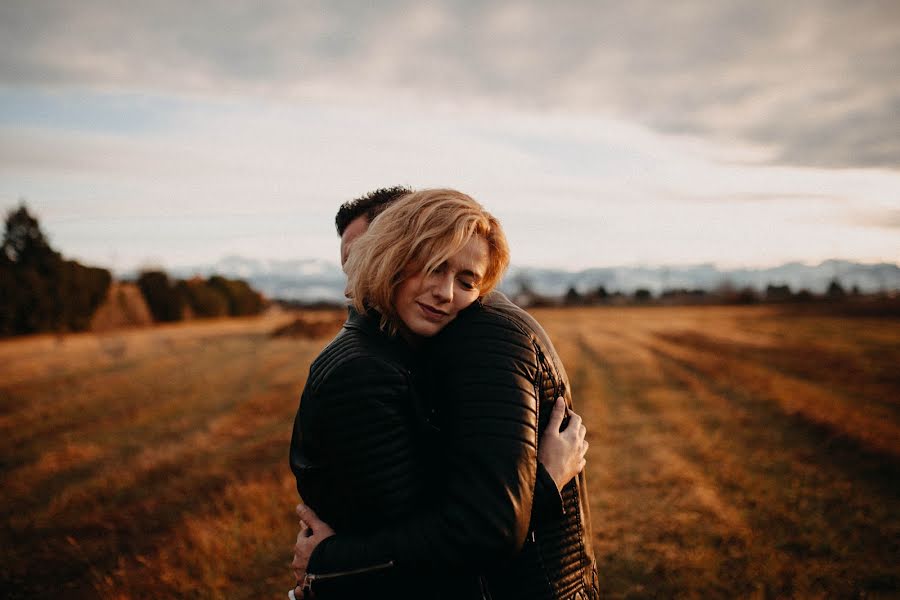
x,y
814,81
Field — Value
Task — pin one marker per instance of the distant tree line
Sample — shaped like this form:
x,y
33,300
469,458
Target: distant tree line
x,y
41,291
217,296
723,294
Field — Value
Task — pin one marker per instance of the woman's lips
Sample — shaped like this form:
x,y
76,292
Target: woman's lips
x,y
432,314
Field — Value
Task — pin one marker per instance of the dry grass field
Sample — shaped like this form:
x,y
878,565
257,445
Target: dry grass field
x,y
736,452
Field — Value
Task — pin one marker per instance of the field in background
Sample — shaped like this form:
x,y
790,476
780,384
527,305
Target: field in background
x,y
735,452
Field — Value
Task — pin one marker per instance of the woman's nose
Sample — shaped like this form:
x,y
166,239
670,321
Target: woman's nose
x,y
442,288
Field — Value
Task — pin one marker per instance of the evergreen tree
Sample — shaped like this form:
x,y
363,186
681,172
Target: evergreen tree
x,y
40,290
164,299
24,243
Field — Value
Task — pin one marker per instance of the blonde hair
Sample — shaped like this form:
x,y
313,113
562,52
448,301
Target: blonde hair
x,y
417,233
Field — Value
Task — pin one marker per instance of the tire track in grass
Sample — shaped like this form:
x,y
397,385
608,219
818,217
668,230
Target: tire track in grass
x,y
819,517
706,436
817,399
671,530
821,509
792,396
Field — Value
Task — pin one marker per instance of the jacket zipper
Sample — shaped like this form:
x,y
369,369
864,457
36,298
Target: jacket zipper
x,y
310,578
485,592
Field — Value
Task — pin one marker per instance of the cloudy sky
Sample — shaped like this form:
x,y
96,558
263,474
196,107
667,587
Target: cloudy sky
x,y
601,133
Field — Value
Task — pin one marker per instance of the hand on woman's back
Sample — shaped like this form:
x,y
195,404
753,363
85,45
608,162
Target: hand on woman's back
x,y
562,452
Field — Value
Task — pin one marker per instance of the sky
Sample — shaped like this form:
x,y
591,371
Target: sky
x,y
599,133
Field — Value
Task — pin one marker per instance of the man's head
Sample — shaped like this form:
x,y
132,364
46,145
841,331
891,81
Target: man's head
x,y
353,217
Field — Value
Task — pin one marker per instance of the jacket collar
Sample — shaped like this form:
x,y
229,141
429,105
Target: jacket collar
x,y
370,324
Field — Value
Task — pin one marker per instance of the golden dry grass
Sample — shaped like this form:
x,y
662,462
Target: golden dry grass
x,y
735,452
739,453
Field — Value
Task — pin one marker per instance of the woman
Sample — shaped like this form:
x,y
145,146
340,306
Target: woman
x,y
362,435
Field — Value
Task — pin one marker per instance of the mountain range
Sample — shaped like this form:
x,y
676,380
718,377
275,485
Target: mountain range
x,y
311,280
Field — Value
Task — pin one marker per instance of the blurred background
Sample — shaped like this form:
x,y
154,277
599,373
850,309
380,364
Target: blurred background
x,y
703,205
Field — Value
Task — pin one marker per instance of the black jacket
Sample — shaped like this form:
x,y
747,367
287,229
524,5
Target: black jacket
x,y
356,449
501,343
497,527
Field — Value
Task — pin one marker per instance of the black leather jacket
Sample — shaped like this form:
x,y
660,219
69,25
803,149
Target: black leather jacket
x,y
356,450
497,527
501,342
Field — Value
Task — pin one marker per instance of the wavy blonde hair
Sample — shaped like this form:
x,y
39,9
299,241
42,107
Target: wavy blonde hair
x,y
417,233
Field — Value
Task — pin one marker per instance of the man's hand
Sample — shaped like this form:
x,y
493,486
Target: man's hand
x,y
562,452
312,531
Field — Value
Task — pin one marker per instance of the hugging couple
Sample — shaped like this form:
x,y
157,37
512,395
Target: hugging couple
x,y
435,449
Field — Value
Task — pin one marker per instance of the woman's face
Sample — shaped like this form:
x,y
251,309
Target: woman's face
x,y
427,303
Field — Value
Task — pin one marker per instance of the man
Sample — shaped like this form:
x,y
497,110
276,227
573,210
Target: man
x,y
353,218
500,525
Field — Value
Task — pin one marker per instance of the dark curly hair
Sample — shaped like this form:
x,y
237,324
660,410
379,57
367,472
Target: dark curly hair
x,y
370,205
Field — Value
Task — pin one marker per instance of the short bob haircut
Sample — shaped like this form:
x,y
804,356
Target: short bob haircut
x,y
417,233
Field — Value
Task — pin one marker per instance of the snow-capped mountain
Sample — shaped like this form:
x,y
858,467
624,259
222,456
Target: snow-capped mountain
x,y
815,278
313,280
